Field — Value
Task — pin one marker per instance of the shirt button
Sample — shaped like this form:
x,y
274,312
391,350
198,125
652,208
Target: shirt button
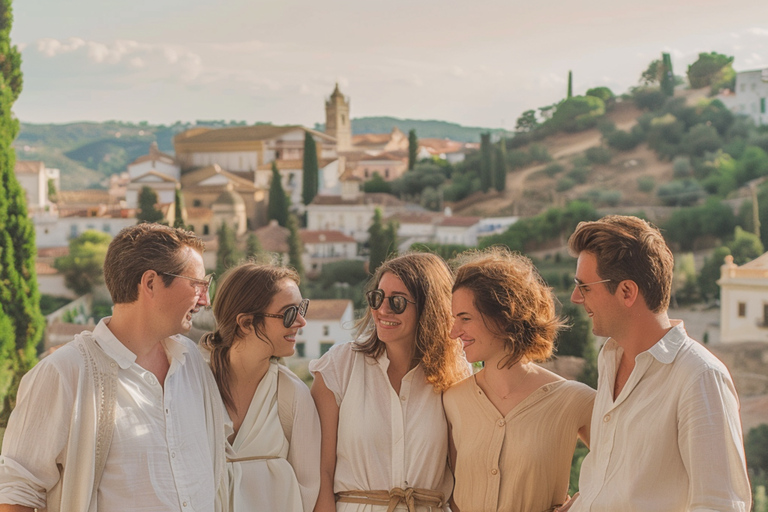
x,y
402,398
501,423
606,418
494,471
184,504
167,411
173,455
545,388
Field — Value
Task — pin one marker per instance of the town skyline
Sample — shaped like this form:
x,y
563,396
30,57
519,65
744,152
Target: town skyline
x,y
479,66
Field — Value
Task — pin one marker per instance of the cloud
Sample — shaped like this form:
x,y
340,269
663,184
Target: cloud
x,y
53,47
758,31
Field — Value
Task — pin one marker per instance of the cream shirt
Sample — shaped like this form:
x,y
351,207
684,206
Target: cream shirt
x,y
385,440
159,458
521,461
672,439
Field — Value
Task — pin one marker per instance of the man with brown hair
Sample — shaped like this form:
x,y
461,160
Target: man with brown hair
x,y
666,433
127,417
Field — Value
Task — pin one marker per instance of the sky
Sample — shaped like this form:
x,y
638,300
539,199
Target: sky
x,y
476,63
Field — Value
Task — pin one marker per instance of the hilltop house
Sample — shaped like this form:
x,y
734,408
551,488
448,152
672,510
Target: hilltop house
x,y
156,170
744,300
329,322
750,95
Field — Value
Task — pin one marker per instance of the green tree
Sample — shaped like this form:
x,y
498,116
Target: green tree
x,y
570,85
500,166
577,113
745,246
253,248
413,149
710,273
178,209
380,241
277,208
652,74
82,268
21,323
707,69
377,184
527,122
605,94
295,247
227,254
486,159
667,76
311,171
148,211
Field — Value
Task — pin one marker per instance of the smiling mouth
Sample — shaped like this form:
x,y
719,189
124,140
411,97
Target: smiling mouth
x,y
467,343
387,323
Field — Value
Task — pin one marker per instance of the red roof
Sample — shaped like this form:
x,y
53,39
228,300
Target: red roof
x,y
311,236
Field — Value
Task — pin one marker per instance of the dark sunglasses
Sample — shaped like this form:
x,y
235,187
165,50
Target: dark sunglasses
x,y
397,303
290,313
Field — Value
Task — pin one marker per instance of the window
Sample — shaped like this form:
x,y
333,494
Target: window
x,y
206,230
326,330
325,347
300,349
197,202
765,315
386,173
762,105
742,309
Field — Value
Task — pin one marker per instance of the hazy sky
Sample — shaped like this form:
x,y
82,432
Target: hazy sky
x,y
474,62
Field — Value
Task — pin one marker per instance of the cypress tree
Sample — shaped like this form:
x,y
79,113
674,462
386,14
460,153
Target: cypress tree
x,y
413,149
390,234
253,248
570,84
311,178
295,247
377,242
667,77
178,210
486,157
500,166
277,208
148,212
21,322
227,254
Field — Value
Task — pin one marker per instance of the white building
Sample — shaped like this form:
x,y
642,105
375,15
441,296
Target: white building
x,y
458,230
329,322
156,170
322,247
744,300
751,95
33,176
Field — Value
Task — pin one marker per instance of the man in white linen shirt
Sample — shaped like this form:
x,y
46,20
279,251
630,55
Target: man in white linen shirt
x,y
128,417
666,433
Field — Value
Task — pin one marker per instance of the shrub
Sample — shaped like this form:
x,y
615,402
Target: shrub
x,y
579,174
564,184
539,153
648,98
605,94
599,155
682,167
518,158
680,192
602,197
621,140
577,113
701,138
377,184
553,169
646,183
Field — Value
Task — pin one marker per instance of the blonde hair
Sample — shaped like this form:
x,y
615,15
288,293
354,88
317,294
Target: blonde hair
x,y
428,279
510,294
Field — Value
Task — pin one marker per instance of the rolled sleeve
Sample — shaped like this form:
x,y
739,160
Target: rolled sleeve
x,y
34,441
712,446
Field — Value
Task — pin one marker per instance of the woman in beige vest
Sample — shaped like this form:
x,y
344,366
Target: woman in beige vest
x,y
385,438
273,445
514,424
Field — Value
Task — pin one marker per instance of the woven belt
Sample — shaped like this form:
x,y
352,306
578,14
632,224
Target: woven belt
x,y
409,496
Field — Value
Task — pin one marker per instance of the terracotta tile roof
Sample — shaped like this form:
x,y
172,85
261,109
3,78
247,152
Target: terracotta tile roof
x,y
458,221
383,156
327,309
371,138
273,237
292,165
416,217
52,252
199,213
243,133
89,197
45,269
193,178
163,177
28,166
309,236
437,146
158,157
761,262
375,198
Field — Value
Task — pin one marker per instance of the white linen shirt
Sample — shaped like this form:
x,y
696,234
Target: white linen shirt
x,y
671,441
159,458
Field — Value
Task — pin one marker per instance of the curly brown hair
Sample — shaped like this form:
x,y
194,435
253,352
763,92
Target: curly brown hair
x,y
247,288
514,301
428,279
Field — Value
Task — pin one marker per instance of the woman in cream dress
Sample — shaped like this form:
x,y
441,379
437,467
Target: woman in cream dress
x,y
385,438
273,445
514,425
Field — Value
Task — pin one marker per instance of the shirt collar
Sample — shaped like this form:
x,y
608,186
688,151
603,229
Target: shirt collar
x,y
122,355
665,350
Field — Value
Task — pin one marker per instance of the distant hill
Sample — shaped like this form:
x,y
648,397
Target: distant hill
x,y
424,129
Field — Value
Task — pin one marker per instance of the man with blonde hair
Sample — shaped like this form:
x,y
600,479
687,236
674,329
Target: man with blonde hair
x,y
666,433
126,417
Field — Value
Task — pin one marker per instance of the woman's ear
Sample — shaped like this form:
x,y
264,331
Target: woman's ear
x,y
245,322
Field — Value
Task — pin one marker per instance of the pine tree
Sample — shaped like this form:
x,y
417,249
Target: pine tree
x,y
148,212
253,248
500,166
21,323
570,84
277,208
227,254
295,247
486,158
311,180
178,210
413,149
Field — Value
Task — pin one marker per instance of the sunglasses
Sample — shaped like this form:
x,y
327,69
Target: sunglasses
x,y
290,313
397,303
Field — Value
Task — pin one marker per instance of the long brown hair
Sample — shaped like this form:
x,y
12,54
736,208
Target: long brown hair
x,y
513,299
428,279
247,288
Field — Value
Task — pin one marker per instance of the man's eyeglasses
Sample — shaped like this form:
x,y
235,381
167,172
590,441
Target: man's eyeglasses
x,y
580,285
201,285
290,313
397,303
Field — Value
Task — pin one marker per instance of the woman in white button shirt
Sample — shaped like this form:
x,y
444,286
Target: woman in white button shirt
x,y
385,439
273,445
514,424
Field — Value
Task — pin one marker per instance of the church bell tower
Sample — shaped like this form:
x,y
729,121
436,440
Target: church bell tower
x,y
337,122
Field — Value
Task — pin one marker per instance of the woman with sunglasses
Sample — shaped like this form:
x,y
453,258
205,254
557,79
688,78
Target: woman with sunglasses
x,y
273,444
385,439
514,424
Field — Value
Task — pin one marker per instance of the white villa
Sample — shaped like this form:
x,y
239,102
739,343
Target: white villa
x,y
744,300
